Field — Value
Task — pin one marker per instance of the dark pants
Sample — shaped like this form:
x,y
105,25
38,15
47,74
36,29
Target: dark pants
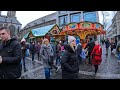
x,y
33,54
57,60
96,68
38,55
47,73
24,62
89,58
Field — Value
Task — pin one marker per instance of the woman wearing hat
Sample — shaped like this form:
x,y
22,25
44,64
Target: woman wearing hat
x,y
69,61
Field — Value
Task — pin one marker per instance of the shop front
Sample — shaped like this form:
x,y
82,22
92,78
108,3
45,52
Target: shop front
x,y
38,34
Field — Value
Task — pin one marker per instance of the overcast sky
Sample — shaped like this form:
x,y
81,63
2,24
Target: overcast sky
x,y
24,17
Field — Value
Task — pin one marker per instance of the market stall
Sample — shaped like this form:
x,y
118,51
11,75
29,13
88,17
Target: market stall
x,y
38,34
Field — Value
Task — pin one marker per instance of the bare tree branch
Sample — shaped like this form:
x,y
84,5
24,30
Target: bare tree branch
x,y
105,14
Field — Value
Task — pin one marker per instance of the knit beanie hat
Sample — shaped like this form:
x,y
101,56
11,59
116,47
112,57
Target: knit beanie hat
x,y
70,39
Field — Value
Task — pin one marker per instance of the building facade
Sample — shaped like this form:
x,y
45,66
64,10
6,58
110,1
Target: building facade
x,y
10,21
61,18
44,21
65,17
114,30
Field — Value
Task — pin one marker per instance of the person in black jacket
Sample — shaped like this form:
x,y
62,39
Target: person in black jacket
x,y
79,50
69,61
90,47
10,56
24,49
33,48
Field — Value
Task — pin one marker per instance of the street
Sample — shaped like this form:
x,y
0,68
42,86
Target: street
x,y
109,69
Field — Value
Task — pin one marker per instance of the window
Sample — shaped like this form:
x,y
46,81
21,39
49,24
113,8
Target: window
x,y
75,17
62,12
90,16
63,20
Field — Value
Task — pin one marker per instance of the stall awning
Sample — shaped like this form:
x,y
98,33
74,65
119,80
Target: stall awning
x,y
42,31
26,35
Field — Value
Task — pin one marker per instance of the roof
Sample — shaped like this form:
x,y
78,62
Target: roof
x,y
41,20
42,31
9,19
26,35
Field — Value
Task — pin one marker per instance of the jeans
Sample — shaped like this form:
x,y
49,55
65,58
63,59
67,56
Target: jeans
x,y
24,58
47,73
58,60
119,55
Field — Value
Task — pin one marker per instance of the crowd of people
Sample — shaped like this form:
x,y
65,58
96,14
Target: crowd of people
x,y
68,55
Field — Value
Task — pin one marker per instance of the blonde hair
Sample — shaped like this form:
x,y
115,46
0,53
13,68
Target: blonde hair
x,y
44,40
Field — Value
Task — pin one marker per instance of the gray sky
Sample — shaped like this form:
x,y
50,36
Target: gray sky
x,y
25,17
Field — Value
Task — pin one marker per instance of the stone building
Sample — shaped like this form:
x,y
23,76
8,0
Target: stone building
x,y
10,21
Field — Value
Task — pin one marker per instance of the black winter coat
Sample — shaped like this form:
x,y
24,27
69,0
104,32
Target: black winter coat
x,y
79,50
10,68
69,64
90,46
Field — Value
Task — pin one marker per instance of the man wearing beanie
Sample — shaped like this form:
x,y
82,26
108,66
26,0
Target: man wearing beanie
x,y
69,61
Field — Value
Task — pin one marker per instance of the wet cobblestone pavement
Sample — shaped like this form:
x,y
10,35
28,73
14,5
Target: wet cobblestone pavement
x,y
109,69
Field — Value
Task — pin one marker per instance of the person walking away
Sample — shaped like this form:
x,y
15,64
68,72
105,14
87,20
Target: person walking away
x,y
69,61
114,48
24,50
111,44
118,50
96,56
32,48
58,51
83,53
107,44
90,45
46,54
38,50
53,50
10,56
79,50
53,45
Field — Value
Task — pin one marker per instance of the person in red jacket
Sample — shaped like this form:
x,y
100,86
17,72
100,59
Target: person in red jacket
x,y
96,56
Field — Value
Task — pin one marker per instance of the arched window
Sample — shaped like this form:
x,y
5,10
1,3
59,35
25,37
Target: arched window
x,y
12,30
18,29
